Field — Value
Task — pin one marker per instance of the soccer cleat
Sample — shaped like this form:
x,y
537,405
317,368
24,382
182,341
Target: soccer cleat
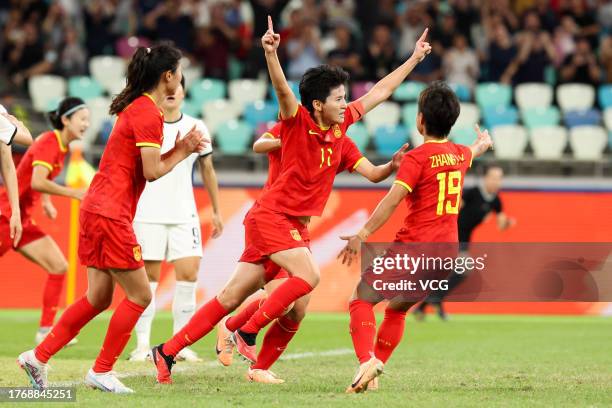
x,y
188,355
366,373
225,345
140,354
245,345
263,376
106,382
44,331
163,363
36,371
441,313
373,384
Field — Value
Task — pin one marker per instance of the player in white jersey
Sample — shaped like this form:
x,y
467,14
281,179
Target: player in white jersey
x,y
167,225
12,130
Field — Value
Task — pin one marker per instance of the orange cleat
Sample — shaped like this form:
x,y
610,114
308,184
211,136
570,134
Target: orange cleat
x,y
263,376
225,345
367,372
163,363
373,384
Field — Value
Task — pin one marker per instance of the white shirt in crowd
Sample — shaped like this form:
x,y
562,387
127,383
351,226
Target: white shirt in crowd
x,y
170,199
7,129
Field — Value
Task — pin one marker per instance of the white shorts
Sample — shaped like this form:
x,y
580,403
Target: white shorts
x,y
169,242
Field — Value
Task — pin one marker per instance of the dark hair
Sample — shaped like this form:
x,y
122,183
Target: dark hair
x,y
55,117
143,73
183,83
317,83
440,109
487,168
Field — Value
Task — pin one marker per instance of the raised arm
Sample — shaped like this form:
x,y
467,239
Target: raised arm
x,y
286,99
9,175
385,87
483,142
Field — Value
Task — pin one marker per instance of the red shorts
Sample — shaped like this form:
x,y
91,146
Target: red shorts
x,y
105,243
268,231
31,232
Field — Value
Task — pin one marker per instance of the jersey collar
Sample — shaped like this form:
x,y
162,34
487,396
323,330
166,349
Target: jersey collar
x,y
437,141
63,148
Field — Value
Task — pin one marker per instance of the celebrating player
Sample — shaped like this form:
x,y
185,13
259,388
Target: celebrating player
x,y
170,230
314,149
422,181
107,244
42,162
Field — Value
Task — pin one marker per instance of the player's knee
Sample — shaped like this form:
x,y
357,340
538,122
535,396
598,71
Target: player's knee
x,y
228,300
142,298
297,314
57,267
99,301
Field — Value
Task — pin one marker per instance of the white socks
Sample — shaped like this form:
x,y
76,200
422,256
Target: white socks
x,y
143,326
184,304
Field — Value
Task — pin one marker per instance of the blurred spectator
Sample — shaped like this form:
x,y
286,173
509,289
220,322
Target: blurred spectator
x,y
312,11
99,16
26,56
344,53
605,58
501,53
167,22
385,12
304,50
367,16
564,39
500,9
72,57
339,11
431,68
461,63
582,66
54,24
548,18
466,16
535,51
604,15
585,20
379,57
411,25
445,32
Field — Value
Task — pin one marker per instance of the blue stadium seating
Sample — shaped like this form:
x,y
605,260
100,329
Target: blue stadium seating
x,y
388,139
589,117
408,91
295,87
491,94
500,115
463,92
206,90
604,96
234,137
538,117
409,112
359,134
259,112
84,87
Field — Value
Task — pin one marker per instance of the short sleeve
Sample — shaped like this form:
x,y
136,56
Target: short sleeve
x,y
275,131
409,171
44,153
7,130
467,152
354,112
148,126
351,156
202,128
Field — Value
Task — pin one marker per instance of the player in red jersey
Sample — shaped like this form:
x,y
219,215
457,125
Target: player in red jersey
x,y
314,148
107,244
430,180
42,162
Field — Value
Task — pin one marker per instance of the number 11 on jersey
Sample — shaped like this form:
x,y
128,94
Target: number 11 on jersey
x,y
450,185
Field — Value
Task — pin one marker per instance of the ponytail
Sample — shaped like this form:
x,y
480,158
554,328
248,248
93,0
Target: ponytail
x,y
144,72
66,107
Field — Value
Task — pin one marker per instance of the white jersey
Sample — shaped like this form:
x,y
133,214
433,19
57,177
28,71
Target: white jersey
x,y
169,199
7,129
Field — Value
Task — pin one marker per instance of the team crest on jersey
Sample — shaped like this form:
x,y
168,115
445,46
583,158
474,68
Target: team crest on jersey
x,y
295,234
337,132
137,253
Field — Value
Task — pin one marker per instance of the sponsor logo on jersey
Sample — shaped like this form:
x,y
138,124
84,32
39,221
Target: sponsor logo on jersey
x,y
295,235
137,253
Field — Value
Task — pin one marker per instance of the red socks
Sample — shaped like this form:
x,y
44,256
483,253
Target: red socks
x,y
51,296
390,333
202,322
363,328
275,342
118,334
276,304
68,326
238,320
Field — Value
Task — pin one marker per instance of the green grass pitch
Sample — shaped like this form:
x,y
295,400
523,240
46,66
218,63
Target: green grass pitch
x,y
469,361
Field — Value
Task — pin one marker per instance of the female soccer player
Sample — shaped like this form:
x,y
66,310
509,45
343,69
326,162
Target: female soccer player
x,y
42,162
167,225
314,149
107,244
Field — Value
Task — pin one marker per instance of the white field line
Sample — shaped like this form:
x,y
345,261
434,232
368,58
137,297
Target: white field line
x,y
192,368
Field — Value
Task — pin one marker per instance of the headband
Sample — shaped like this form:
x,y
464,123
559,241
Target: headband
x,y
74,109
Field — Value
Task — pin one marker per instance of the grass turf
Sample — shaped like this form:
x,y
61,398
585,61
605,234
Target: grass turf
x,y
469,361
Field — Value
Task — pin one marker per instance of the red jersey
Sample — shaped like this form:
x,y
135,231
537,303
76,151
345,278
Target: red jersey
x,y
311,158
433,173
47,151
116,187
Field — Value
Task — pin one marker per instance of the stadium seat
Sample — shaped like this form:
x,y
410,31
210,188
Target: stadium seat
x,y
45,90
217,112
464,135
588,142
295,87
575,97
358,89
491,94
604,96
509,141
408,91
385,114
247,90
108,71
234,137
192,74
548,142
500,116
533,95
463,92
538,117
409,113
388,139
84,87
589,117
416,139
468,116
206,90
607,118
191,108
359,134
98,115
260,111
